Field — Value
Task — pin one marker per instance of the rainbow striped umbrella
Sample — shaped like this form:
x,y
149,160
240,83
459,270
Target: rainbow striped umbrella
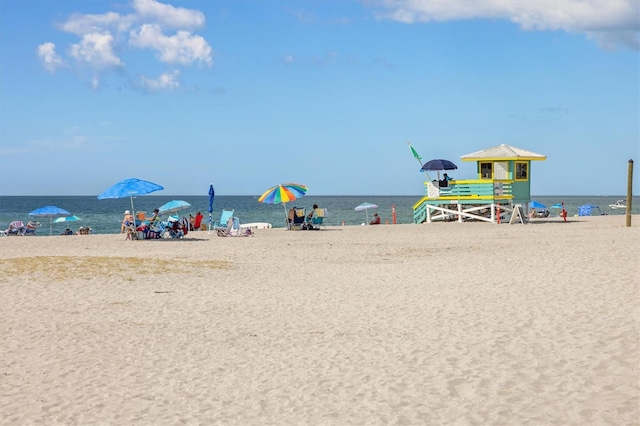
x,y
283,193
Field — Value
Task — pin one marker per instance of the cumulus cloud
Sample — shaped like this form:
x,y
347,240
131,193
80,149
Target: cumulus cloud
x,y
168,80
50,59
151,25
96,49
81,24
612,23
181,48
167,15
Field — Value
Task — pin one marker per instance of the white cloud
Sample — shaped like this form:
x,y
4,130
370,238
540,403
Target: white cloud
x,y
80,24
611,23
102,35
182,48
50,59
96,49
167,15
168,80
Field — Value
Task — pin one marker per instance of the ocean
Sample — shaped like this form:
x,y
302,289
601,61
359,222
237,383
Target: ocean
x,y
105,216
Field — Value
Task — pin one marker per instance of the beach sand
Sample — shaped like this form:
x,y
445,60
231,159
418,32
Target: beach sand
x,y
443,323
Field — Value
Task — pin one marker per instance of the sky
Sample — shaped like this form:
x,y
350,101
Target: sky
x,y
247,94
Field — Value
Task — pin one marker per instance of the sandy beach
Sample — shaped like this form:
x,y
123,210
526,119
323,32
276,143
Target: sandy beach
x,y
443,323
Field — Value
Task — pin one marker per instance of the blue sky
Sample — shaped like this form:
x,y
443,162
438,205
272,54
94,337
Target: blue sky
x,y
249,94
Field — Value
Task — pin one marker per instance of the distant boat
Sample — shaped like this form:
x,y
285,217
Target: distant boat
x,y
620,204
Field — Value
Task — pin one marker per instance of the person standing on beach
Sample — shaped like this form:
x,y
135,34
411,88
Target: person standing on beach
x,y
126,220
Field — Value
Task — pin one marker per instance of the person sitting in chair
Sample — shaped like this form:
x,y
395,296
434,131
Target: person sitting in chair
x,y
311,213
376,220
154,217
445,181
292,214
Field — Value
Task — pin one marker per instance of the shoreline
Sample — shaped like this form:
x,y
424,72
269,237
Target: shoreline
x,y
430,323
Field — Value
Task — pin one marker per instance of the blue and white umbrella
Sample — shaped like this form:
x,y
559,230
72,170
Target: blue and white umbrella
x,y
174,206
130,188
536,205
67,219
50,212
366,207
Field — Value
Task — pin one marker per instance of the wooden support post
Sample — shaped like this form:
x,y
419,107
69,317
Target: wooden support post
x,y
629,192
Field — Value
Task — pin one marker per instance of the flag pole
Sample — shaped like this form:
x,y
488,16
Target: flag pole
x,y
417,157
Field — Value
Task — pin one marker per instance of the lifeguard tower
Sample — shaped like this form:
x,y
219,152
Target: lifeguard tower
x,y
503,185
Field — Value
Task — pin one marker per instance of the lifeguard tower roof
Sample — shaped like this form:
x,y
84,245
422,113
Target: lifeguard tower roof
x,y
503,152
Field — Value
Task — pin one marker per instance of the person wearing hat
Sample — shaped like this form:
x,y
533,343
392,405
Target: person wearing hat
x,y
126,220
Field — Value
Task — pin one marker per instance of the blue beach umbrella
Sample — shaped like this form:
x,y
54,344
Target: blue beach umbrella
x,y
129,188
67,219
439,164
173,206
50,212
536,205
212,194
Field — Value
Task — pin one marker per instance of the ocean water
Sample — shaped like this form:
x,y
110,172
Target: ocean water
x,y
105,216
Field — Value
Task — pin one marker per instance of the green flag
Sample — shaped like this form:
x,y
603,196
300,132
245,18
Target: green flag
x,y
415,154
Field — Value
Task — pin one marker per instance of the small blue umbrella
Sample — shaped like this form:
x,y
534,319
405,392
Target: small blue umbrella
x,y
129,188
67,219
212,194
536,205
50,212
173,206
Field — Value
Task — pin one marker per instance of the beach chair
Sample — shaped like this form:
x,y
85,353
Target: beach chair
x,y
224,218
156,230
31,227
15,228
174,228
299,215
233,229
197,221
318,218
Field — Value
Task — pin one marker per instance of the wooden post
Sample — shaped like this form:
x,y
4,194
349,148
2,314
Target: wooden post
x,y
629,192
